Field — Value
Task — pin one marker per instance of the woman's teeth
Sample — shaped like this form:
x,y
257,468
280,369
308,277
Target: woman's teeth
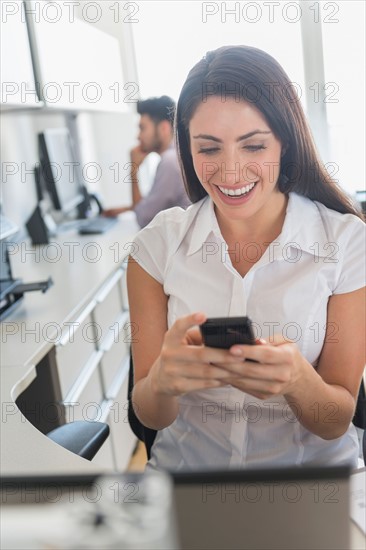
x,y
237,192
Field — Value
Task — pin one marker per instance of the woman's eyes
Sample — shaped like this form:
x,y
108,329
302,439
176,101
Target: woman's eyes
x,y
212,150
208,151
254,147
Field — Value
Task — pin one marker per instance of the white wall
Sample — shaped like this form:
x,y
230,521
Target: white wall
x,y
105,138
18,154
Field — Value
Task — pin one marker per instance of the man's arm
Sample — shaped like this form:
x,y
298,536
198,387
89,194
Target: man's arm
x,y
113,212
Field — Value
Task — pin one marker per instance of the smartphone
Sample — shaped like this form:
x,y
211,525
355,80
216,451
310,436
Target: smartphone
x,y
224,332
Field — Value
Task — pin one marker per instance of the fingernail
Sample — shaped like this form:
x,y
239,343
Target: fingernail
x,y
263,341
236,351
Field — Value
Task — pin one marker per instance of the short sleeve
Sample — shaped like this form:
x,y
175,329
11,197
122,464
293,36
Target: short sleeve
x,y
155,244
352,251
150,247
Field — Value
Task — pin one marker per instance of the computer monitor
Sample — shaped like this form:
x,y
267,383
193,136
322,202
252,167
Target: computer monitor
x,y
58,169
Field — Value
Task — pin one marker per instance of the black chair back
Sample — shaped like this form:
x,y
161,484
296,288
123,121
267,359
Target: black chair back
x,y
147,435
359,418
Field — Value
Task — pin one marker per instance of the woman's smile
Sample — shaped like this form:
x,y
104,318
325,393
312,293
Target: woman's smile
x,y
235,195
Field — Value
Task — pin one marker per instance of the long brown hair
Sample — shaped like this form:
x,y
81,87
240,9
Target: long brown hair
x,y
252,75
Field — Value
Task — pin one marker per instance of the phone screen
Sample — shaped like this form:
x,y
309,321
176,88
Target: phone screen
x,y
224,332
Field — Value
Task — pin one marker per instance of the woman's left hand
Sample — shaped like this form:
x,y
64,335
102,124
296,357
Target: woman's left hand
x,y
279,368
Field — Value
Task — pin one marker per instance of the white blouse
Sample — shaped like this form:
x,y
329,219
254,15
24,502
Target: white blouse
x,y
319,252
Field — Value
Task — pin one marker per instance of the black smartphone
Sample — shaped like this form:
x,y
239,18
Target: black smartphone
x,y
224,332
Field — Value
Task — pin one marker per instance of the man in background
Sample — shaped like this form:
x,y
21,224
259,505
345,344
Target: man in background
x,y
155,135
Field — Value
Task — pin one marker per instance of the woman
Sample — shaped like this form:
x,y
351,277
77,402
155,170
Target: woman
x,y
287,250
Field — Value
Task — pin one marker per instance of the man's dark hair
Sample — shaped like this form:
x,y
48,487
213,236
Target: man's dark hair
x,y
158,108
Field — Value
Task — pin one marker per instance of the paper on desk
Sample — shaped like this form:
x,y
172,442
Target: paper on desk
x,y
358,499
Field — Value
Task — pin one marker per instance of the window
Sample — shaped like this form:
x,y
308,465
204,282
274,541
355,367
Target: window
x,y
344,63
170,37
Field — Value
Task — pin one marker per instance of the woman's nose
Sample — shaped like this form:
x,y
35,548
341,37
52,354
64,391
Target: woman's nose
x,y
230,172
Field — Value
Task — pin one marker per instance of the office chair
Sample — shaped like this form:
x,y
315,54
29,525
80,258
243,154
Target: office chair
x,y
359,419
147,435
81,437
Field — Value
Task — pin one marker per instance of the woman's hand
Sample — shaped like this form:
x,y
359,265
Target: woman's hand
x,y
280,366
185,364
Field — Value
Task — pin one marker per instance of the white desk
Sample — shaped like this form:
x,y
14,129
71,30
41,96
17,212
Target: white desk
x,y
51,336
24,449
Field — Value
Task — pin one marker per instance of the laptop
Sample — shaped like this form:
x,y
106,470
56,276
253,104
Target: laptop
x,y
284,509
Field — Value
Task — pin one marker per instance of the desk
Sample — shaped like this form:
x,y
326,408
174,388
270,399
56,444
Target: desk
x,y
65,511
64,354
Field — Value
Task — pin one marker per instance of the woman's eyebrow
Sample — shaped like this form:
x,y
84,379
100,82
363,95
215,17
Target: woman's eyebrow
x,y
240,138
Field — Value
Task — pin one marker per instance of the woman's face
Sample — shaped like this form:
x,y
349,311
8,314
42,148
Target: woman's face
x,y
236,156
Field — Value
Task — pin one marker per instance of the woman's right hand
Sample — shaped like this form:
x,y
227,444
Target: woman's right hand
x,y
185,364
